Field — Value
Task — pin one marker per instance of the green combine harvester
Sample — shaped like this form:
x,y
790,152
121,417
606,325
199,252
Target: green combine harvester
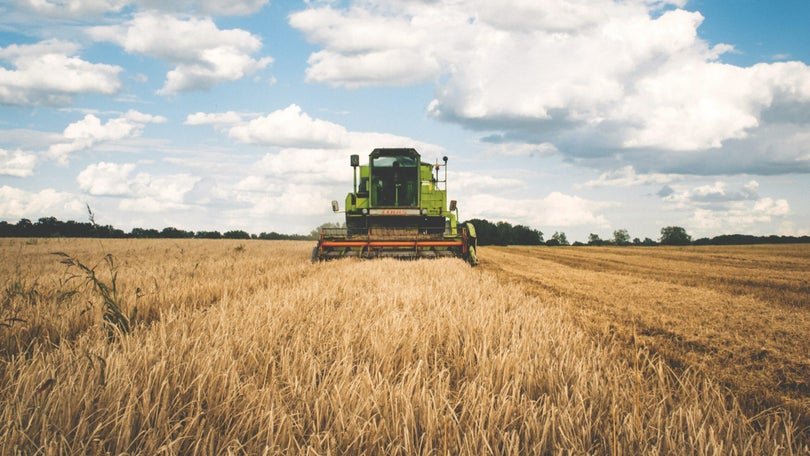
x,y
398,210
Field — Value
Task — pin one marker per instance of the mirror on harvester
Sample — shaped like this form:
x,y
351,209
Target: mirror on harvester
x,y
453,205
335,206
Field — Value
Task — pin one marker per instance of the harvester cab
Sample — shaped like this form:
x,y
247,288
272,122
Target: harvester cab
x,y
398,209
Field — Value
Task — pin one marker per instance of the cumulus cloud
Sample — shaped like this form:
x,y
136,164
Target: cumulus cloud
x,y
290,127
714,194
555,209
363,48
203,54
51,73
627,177
516,149
718,207
739,217
588,77
83,8
214,7
216,119
18,203
89,131
17,163
72,8
105,178
141,192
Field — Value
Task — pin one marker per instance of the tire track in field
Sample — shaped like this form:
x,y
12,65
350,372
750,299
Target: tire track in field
x,y
759,350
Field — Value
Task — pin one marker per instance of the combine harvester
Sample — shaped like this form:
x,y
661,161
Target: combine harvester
x,y
399,210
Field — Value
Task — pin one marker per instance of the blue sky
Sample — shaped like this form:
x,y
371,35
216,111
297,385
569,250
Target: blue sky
x,y
575,116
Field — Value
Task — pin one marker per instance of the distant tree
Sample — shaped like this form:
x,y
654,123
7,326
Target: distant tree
x,y
560,237
144,233
25,227
675,235
647,242
6,229
47,227
621,237
273,236
174,233
208,235
636,241
594,239
504,233
523,235
236,234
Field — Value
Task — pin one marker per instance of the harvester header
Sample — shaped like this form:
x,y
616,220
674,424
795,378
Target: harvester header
x,y
398,208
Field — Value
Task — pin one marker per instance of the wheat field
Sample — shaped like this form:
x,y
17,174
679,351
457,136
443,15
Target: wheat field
x,y
245,347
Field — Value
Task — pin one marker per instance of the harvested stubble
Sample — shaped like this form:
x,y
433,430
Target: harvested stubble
x,y
740,314
253,350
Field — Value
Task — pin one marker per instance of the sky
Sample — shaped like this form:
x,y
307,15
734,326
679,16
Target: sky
x,y
574,116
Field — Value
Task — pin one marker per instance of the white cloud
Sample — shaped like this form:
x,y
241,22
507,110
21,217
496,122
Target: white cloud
x,y
716,194
49,72
140,193
89,131
366,49
106,178
467,183
17,163
739,216
290,127
221,118
83,8
170,188
589,77
293,129
214,7
627,177
73,8
555,209
203,54
297,200
516,149
718,208
18,203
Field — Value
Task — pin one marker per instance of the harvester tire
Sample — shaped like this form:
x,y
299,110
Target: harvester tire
x,y
472,256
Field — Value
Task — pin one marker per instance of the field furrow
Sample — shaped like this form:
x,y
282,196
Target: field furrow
x,y
756,346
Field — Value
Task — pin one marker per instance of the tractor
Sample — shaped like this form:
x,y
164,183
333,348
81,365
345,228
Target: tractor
x,y
398,209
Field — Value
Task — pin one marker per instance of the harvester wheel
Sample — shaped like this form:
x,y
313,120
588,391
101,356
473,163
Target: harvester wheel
x,y
315,255
472,256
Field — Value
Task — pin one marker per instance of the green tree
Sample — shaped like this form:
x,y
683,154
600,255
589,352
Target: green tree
x,y
523,235
560,237
675,235
236,234
621,237
594,239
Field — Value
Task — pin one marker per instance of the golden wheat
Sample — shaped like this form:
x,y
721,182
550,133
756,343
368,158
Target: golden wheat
x,y
248,348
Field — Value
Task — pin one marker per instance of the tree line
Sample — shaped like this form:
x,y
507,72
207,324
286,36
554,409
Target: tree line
x,y
489,233
503,233
52,227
